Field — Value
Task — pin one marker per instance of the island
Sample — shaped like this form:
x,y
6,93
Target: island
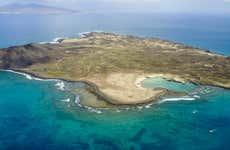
x,y
33,8
113,66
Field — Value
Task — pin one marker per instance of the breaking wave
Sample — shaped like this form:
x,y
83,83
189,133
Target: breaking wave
x,y
194,95
66,100
54,41
84,34
29,77
60,85
177,99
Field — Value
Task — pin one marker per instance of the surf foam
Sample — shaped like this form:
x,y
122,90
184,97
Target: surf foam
x,y
77,99
66,100
84,34
177,99
60,85
91,109
29,77
54,41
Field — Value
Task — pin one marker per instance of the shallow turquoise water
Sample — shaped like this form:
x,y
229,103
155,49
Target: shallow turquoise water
x,y
32,116
162,83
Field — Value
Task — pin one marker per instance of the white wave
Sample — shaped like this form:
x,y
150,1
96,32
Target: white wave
x,y
203,90
79,105
77,99
84,34
54,41
60,85
147,106
212,130
29,77
196,96
177,99
66,100
118,110
98,111
91,109
140,107
195,111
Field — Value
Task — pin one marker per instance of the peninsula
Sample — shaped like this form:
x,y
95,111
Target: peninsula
x,y
114,65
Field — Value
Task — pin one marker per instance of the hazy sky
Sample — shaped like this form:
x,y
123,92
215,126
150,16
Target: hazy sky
x,y
165,6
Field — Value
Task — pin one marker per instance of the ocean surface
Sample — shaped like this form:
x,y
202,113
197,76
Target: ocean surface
x,y
45,115
205,31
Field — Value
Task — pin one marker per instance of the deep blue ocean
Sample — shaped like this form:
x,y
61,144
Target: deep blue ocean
x,y
35,115
205,31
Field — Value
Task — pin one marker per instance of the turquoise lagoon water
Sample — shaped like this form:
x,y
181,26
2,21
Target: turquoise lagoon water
x,y
159,82
39,115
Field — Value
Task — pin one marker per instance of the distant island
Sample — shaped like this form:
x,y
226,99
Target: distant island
x,y
32,8
115,65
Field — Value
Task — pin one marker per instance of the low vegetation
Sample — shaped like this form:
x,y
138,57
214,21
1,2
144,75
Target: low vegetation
x,y
101,54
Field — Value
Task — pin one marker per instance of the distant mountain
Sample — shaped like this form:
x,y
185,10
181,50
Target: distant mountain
x,y
33,8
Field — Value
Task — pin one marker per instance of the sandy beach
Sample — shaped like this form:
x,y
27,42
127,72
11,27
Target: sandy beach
x,y
126,88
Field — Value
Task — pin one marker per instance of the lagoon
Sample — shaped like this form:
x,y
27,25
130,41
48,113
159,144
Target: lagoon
x,y
159,82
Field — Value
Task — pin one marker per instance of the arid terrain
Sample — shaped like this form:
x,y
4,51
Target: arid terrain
x,y
115,64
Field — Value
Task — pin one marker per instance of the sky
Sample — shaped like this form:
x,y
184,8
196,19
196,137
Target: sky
x,y
163,6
